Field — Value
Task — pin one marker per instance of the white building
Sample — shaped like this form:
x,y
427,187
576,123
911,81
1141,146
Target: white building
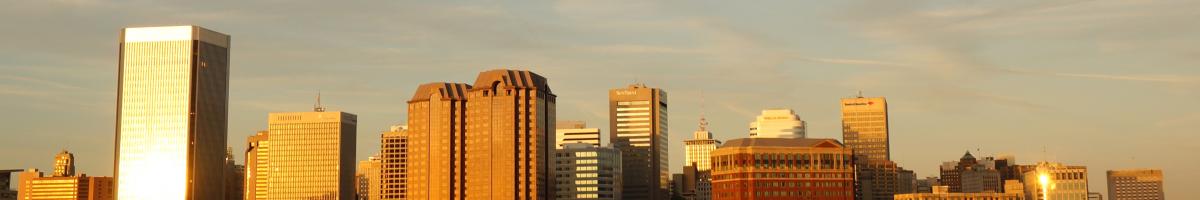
x,y
568,132
778,123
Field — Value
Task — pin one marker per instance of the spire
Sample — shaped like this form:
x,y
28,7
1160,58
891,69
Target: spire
x,y
860,94
317,107
703,121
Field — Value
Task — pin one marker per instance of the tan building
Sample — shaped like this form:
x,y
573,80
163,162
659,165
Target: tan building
x,y
1055,181
257,166
437,124
960,196
311,155
698,155
172,109
63,184
865,127
1135,184
499,131
64,164
393,158
368,178
638,125
568,132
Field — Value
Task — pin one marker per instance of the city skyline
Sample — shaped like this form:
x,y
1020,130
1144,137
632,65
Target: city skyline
x,y
1096,91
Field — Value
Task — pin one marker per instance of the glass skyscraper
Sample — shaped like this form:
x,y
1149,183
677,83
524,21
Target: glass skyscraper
x,y
172,108
638,121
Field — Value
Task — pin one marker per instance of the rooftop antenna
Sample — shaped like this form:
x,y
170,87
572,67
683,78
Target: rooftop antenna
x,y
703,122
860,94
317,107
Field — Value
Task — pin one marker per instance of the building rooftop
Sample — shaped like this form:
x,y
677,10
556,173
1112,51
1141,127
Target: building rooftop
x,y
783,142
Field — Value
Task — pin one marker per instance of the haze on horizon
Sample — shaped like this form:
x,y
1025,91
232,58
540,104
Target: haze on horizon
x,y
1110,84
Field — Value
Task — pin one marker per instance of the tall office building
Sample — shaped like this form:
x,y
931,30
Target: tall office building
x,y
865,127
436,136
368,179
1055,181
393,159
638,121
782,168
235,176
64,164
700,147
311,155
1135,184
584,171
510,136
172,109
699,150
568,132
257,166
491,141
778,123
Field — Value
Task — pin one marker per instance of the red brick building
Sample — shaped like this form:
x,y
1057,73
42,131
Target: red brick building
x,y
781,168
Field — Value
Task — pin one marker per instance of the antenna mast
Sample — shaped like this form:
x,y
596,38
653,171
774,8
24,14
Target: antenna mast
x,y
317,107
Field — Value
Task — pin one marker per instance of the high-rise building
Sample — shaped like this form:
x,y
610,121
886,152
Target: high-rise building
x,y
960,196
436,137
1055,181
783,168
235,176
64,164
1135,184
491,141
567,132
865,127
510,136
393,159
778,123
258,166
172,109
638,125
699,148
584,171
311,155
876,179
699,151
906,181
367,178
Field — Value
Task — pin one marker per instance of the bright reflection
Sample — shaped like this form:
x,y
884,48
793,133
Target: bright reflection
x,y
1044,180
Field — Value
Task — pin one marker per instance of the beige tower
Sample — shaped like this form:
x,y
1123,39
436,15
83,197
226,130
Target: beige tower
x,y
172,108
393,158
64,164
257,166
865,127
436,136
510,136
368,178
699,152
311,155
638,121
1135,184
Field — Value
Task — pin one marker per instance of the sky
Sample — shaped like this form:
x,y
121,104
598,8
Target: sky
x,y
1109,84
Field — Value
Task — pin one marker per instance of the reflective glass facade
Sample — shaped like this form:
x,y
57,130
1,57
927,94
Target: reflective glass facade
x,y
172,113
